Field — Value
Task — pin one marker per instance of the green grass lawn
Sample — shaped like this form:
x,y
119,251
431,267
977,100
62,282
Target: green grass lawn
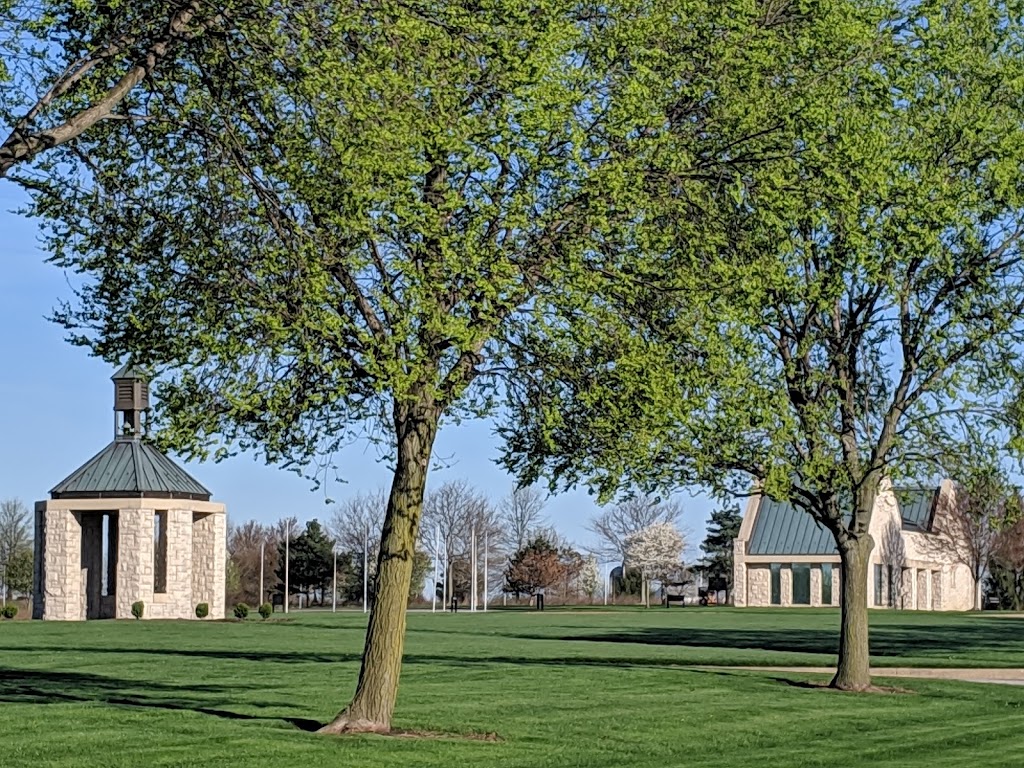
x,y
581,688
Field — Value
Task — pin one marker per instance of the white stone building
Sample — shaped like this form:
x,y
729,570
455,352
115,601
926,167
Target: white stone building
x,y
783,557
129,525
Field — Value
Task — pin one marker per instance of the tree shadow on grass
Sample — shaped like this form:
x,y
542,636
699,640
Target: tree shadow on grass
x,y
286,657
21,686
997,637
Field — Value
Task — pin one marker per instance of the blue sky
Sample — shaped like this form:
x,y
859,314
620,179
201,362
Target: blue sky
x,y
55,412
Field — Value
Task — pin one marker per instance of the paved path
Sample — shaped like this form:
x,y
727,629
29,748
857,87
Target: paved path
x,y
1003,676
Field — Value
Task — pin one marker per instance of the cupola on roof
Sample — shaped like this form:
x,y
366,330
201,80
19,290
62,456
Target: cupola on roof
x,y
130,467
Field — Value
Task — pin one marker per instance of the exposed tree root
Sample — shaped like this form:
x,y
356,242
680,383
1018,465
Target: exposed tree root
x,y
343,725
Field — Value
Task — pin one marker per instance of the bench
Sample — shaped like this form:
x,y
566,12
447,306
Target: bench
x,y
669,599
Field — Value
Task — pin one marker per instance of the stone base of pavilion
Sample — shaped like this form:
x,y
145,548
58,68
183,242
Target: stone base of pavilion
x,y
95,557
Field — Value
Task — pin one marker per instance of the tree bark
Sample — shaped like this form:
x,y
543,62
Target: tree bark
x,y
374,701
853,672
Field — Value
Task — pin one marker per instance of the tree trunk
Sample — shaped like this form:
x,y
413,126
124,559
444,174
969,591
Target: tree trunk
x,y
853,672
374,701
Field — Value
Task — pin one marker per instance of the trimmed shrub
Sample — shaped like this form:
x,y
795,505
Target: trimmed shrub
x,y
9,611
265,610
202,610
138,608
241,611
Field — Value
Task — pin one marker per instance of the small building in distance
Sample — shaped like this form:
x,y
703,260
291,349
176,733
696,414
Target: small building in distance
x,y
128,525
783,557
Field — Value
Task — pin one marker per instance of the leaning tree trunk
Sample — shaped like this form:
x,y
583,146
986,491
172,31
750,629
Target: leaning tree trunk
x,y
377,690
853,673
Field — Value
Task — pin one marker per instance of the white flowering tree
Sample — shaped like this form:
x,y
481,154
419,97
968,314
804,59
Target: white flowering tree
x,y
590,577
657,552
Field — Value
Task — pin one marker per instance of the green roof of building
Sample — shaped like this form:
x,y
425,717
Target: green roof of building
x,y
782,529
130,468
917,506
129,371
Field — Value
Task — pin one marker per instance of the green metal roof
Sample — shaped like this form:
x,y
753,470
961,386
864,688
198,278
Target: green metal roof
x,y
129,371
130,469
782,529
916,507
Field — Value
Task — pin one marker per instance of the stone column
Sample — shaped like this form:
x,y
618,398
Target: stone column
x,y
134,561
58,549
178,601
739,573
815,585
786,585
209,561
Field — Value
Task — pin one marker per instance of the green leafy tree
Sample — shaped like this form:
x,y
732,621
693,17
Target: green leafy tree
x,y
70,67
355,245
18,579
865,296
15,541
538,564
723,528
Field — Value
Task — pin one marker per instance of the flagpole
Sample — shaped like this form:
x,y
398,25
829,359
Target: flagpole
x,y
444,579
263,595
287,542
437,561
472,564
366,568
486,593
334,585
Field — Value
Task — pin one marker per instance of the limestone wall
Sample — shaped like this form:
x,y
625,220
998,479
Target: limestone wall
x,y
68,573
759,585
176,602
739,572
134,561
58,591
210,548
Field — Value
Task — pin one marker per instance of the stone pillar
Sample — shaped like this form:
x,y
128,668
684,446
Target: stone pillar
x,y
922,590
134,561
786,586
58,548
837,583
815,585
179,564
209,561
739,573
936,601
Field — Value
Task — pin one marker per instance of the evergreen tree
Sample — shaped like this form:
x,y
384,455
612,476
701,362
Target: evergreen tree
x,y
311,556
723,527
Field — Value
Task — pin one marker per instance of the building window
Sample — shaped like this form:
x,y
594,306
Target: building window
x,y
878,583
776,584
160,552
801,584
826,583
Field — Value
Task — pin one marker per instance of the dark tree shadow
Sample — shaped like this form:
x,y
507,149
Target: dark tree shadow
x,y
21,686
970,637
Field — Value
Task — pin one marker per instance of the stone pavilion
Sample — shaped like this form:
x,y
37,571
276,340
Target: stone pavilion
x,y
128,525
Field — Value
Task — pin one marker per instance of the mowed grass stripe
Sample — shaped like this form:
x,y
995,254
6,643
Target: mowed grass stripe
x,y
586,688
